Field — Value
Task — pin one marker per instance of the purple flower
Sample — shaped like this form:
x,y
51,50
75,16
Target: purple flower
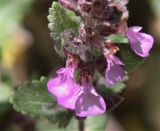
x,y
72,4
89,102
64,88
141,43
83,99
114,71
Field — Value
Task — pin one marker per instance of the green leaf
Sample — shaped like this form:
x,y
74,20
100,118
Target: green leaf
x,y
130,59
33,99
119,87
43,125
93,123
106,90
61,19
6,92
96,53
76,74
6,78
118,38
96,123
4,107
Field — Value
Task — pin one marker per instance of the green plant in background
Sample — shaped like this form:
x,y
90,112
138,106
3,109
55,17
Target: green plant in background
x,y
11,15
155,6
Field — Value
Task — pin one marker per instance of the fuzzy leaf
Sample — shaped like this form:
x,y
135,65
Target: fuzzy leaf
x,y
61,19
118,38
33,99
130,59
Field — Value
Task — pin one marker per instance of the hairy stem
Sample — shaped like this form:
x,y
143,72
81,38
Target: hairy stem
x,y
81,125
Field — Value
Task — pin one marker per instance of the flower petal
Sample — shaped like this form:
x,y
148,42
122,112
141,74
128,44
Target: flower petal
x,y
66,71
141,43
134,29
89,102
60,86
69,102
114,59
114,71
81,1
71,4
64,88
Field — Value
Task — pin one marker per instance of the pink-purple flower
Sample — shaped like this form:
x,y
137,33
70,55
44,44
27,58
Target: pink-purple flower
x,y
114,71
81,98
74,5
64,88
89,102
141,43
71,4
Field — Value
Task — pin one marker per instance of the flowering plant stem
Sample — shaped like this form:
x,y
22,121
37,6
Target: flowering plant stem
x,y
81,125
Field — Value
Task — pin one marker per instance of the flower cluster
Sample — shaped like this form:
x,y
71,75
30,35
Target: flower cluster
x,y
81,97
99,19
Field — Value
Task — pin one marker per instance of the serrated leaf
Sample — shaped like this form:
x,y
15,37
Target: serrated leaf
x,y
130,59
33,99
69,44
117,38
61,19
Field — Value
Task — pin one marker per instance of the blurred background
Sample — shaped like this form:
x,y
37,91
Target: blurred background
x,y
26,52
